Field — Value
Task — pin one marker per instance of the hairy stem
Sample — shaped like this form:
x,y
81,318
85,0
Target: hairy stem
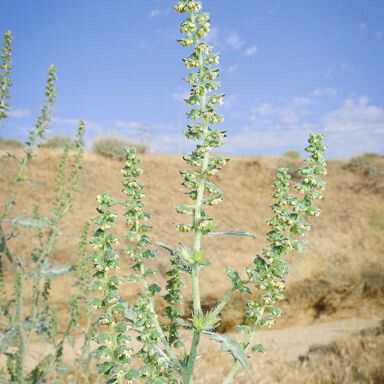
x,y
192,358
21,353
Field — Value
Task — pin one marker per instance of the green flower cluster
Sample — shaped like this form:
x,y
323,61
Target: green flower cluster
x,y
37,133
156,361
203,101
174,298
114,350
288,225
5,79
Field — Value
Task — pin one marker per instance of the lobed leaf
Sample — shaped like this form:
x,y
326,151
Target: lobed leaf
x,y
232,346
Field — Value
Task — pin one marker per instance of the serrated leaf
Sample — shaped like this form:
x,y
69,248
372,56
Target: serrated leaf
x,y
233,233
232,346
154,288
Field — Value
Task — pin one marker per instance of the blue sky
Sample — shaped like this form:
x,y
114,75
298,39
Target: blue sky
x,y
288,68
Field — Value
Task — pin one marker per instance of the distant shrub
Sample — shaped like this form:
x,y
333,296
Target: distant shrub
x,y
371,167
365,165
291,154
372,155
59,142
114,147
9,143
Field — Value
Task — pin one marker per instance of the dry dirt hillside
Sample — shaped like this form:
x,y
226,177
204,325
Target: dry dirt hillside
x,y
340,276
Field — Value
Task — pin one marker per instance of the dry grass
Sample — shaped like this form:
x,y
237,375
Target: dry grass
x,y
343,245
341,275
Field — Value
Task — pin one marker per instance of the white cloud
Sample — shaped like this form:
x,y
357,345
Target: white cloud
x,y
290,111
262,140
251,51
230,40
158,12
355,116
18,113
356,127
130,126
234,41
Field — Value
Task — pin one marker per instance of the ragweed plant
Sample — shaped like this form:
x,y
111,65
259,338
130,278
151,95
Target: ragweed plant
x,y
137,341
33,272
159,358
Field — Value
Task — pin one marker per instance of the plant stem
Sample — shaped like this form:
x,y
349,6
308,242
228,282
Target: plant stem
x,y
192,358
20,363
225,300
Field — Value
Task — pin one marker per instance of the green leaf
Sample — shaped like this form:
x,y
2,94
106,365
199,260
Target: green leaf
x,y
165,246
232,346
150,272
233,233
276,311
8,339
184,209
132,277
259,348
154,288
234,276
243,329
184,323
40,371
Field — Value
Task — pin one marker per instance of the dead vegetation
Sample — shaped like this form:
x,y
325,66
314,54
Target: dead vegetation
x,y
341,275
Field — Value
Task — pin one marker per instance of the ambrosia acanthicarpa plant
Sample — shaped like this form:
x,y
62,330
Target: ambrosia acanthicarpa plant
x,y
159,354
25,311
137,342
